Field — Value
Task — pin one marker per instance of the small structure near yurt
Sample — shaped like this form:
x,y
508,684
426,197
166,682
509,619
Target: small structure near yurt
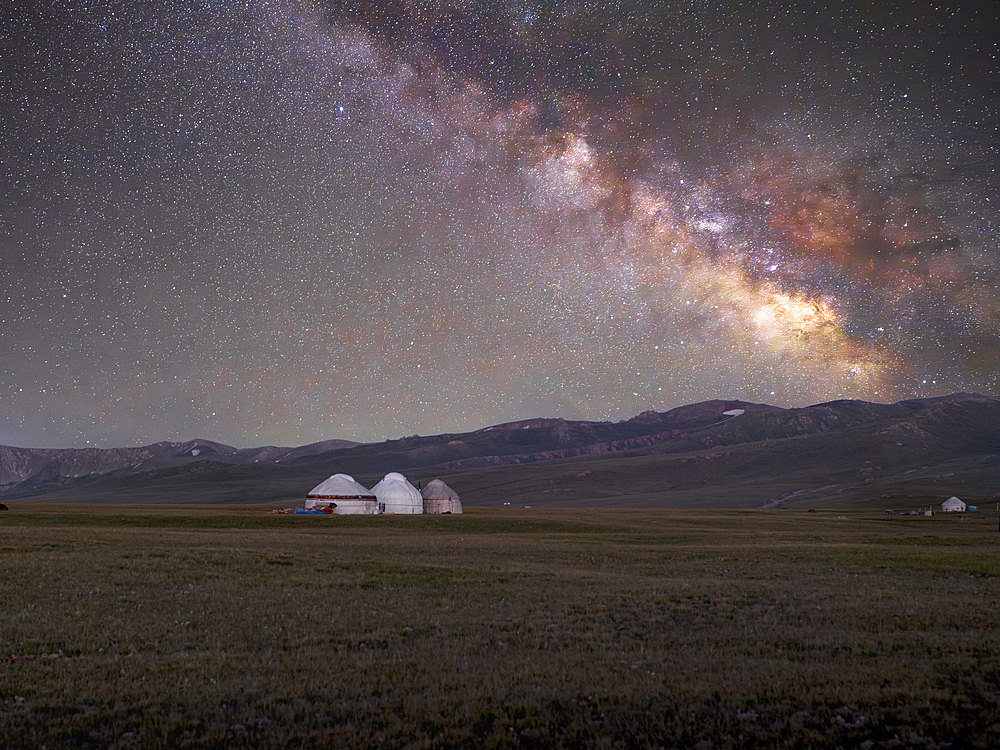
x,y
396,495
440,498
344,495
952,504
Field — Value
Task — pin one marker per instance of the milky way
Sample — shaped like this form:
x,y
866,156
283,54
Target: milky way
x,y
276,222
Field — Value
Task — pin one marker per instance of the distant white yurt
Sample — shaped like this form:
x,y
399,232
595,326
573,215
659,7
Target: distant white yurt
x,y
440,498
345,495
952,504
396,495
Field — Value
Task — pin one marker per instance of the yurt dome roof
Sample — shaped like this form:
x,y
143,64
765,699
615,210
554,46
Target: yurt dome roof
x,y
438,490
341,486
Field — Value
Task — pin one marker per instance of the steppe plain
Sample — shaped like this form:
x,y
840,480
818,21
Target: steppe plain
x,y
178,626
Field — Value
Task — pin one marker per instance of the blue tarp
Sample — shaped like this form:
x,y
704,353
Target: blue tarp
x,y
304,512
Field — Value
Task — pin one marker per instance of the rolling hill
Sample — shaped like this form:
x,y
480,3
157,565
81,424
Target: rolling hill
x,y
710,454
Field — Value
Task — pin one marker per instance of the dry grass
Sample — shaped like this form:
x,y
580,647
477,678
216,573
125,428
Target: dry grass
x,y
220,627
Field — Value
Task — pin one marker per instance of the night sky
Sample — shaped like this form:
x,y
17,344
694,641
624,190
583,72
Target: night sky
x,y
276,222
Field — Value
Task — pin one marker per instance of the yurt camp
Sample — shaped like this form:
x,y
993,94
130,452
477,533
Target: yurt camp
x,y
440,498
344,495
396,495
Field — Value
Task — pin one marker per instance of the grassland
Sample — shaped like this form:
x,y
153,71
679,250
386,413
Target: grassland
x,y
141,627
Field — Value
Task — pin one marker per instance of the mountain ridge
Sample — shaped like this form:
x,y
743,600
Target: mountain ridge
x,y
712,447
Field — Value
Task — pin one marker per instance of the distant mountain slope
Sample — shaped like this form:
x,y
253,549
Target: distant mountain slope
x,y
24,468
533,440
720,453
894,457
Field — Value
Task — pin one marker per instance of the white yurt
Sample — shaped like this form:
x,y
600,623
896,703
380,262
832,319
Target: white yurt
x,y
440,498
952,504
345,495
396,495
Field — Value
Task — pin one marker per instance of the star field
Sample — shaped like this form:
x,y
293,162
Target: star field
x,y
276,222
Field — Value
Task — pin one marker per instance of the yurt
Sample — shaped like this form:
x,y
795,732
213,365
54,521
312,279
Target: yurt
x,y
440,498
952,504
396,495
346,496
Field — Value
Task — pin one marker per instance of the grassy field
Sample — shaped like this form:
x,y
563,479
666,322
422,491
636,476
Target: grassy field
x,y
136,627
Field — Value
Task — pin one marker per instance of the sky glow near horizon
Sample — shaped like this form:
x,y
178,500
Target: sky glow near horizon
x,y
279,222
